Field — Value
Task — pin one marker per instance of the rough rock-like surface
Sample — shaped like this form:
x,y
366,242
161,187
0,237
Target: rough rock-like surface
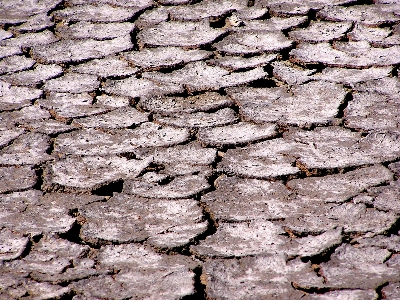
x,y
187,149
162,223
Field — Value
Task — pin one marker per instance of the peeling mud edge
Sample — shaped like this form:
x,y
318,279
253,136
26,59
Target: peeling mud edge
x,y
199,286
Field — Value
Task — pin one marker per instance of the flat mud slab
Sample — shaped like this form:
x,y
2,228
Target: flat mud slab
x,y
200,149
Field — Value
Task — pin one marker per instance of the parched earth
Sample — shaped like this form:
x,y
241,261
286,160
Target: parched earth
x,y
180,149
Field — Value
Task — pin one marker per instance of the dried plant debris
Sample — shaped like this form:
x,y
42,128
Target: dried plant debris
x,y
373,112
370,15
97,142
253,42
358,55
164,57
221,117
181,34
175,105
162,223
96,31
311,103
67,51
321,32
199,76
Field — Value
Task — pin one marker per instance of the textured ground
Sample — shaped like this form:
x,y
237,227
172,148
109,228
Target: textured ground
x,y
179,149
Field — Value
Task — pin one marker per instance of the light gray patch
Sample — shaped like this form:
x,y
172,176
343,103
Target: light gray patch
x,y
12,245
96,31
291,74
318,32
181,34
234,63
235,134
221,117
15,63
38,75
352,76
31,40
106,67
163,223
12,97
73,83
16,178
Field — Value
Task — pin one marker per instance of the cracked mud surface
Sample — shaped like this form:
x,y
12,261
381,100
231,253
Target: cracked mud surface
x,y
199,149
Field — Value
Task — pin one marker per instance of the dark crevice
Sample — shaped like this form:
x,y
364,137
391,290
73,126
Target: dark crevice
x,y
343,105
199,286
109,189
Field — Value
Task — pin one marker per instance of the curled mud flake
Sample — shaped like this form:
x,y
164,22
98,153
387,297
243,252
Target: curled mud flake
x,y
14,13
251,13
119,118
370,15
221,117
4,34
35,23
235,63
290,74
395,168
175,105
64,106
72,83
355,294
272,24
355,268
31,39
334,147
164,57
152,17
389,86
262,160
149,283
391,243
256,277
25,115
16,178
134,88
28,149
373,112
55,260
310,103
235,134
206,9
40,74
352,76
253,42
191,153
96,31
6,51
15,63
199,76
106,67
180,34
340,187
12,97
96,142
180,187
392,290
27,213
85,174
95,13
112,101
163,223
238,199
12,245
8,135
365,56
242,239
317,218
68,51
321,32
386,197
